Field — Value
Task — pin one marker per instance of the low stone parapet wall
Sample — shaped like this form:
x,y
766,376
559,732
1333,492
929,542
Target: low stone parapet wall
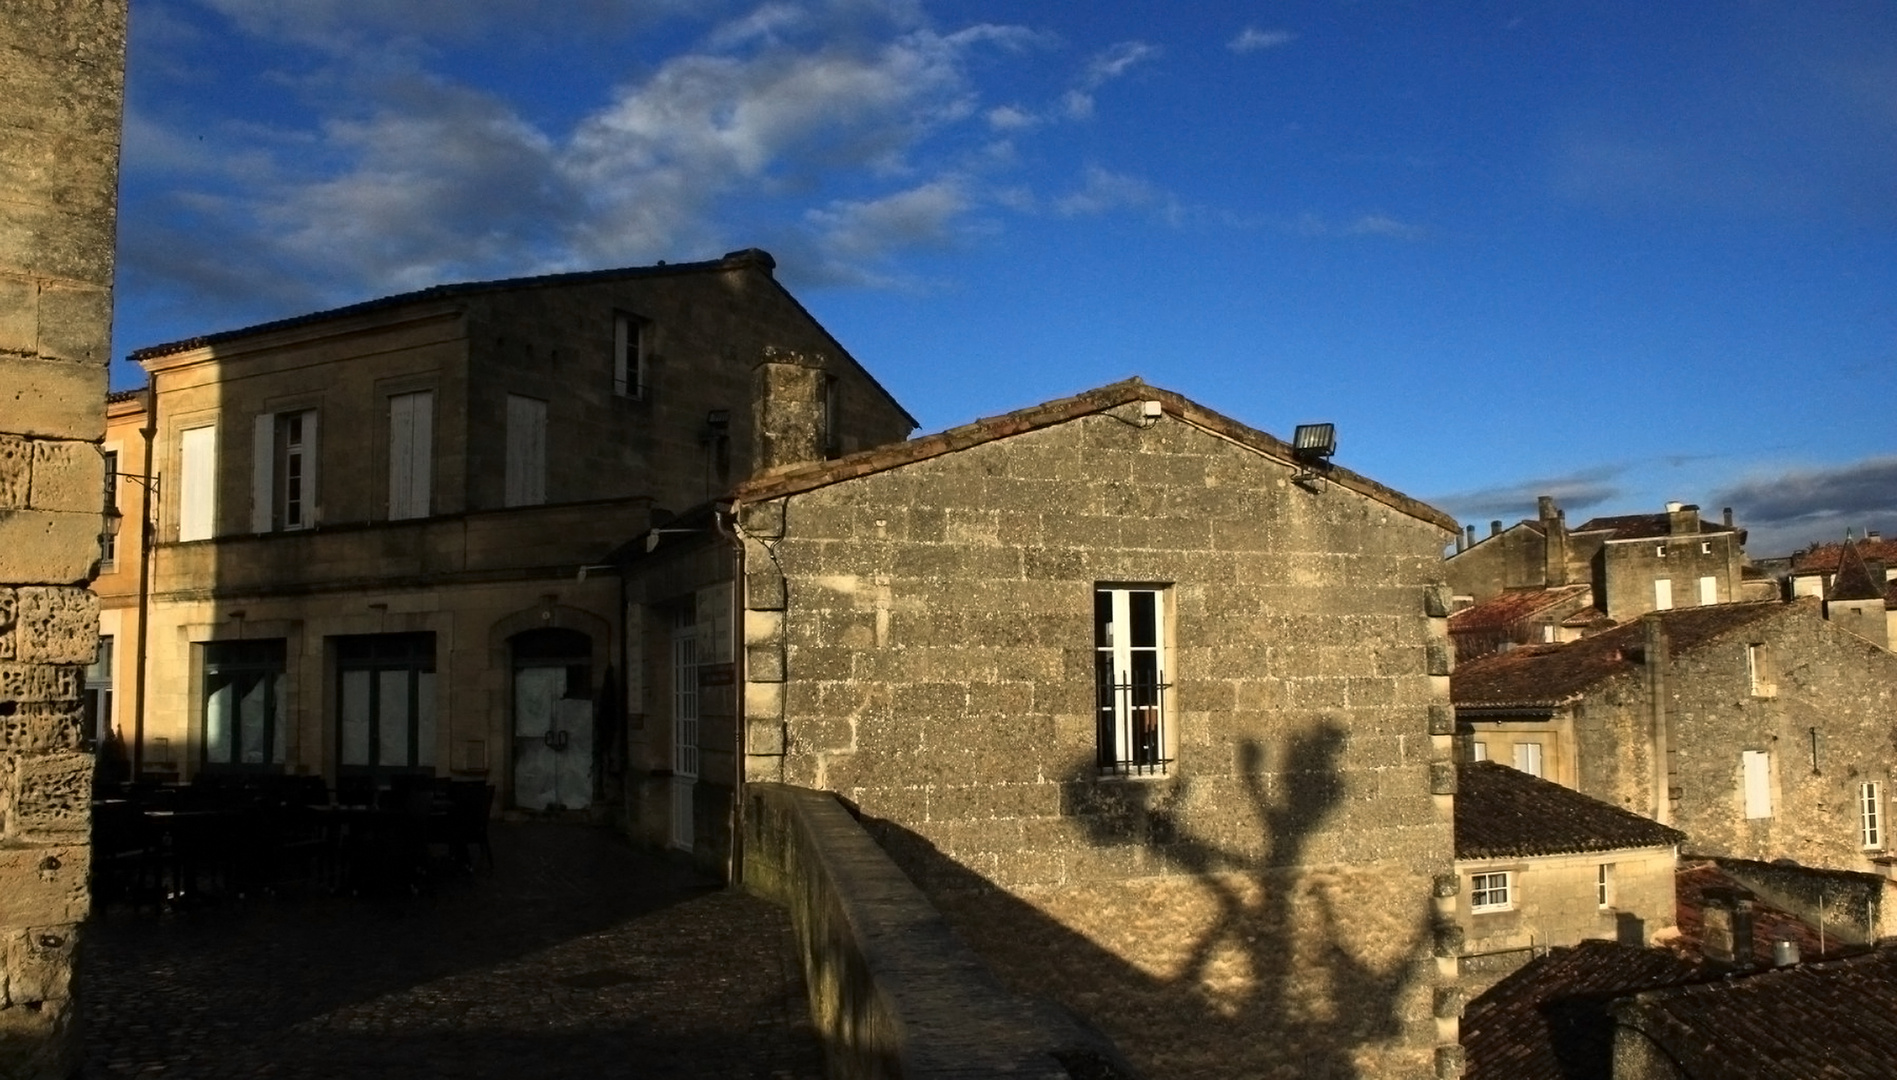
x,y
893,991
1852,906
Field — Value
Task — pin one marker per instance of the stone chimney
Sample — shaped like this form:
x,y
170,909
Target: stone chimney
x,y
1495,527
1682,519
1726,516
1554,529
1471,535
787,409
1726,919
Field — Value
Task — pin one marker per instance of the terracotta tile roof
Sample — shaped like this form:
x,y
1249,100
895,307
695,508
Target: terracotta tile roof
x,y
1503,812
1590,618
1769,923
1509,608
1830,1018
1552,675
1824,558
1854,581
117,397
795,479
1638,526
1550,1021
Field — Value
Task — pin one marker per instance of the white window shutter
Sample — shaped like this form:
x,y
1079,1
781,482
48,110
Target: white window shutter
x,y
197,488
421,455
526,451
1662,594
263,469
1758,783
401,455
1708,591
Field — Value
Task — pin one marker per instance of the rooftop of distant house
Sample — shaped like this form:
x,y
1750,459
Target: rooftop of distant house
x,y
1648,526
1553,675
1504,813
1830,1018
1769,923
1823,558
1507,609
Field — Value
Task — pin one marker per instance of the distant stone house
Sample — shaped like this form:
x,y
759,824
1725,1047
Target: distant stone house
x,y
1521,617
1633,563
1153,708
1855,580
371,527
1760,730
1543,865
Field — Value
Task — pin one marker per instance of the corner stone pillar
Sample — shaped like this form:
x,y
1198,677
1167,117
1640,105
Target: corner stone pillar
x,y
63,64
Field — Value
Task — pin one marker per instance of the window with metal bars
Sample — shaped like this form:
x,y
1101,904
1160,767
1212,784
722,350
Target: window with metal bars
x,y
1129,636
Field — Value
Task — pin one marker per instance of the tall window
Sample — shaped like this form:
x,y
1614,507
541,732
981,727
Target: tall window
x,y
1708,591
1662,593
1759,670
1528,757
283,471
1604,886
411,454
98,700
197,486
108,541
630,334
1490,892
245,721
526,451
386,699
1870,810
1129,627
1756,768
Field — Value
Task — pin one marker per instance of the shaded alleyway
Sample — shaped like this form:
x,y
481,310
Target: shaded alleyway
x,y
578,958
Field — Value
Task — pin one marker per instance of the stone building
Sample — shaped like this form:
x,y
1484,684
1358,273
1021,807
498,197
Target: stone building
x,y
63,67
1523,617
1153,708
1760,730
1544,866
1633,563
377,530
1855,580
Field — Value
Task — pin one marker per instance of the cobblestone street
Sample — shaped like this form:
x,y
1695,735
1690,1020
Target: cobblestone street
x,y
579,957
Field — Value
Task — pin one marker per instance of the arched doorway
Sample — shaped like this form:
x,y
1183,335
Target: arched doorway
x,y
552,719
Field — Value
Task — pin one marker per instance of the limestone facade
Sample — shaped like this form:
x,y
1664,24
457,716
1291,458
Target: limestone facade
x,y
1245,872
379,532
63,66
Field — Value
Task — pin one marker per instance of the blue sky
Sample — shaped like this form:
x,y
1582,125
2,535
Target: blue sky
x,y
1622,253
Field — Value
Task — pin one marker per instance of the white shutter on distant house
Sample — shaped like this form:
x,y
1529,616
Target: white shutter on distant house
x,y
1757,767
526,451
263,469
411,454
1708,591
197,486
1662,594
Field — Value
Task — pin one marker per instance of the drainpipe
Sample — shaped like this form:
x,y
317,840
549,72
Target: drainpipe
x,y
725,520
147,539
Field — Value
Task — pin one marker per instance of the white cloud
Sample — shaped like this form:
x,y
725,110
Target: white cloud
x,y
1011,118
871,229
1101,191
1384,225
1252,39
1113,62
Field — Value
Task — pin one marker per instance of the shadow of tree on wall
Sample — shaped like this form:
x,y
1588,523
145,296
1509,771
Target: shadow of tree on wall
x,y
1211,957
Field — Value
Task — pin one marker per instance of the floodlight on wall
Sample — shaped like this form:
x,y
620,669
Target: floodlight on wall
x,y
1311,447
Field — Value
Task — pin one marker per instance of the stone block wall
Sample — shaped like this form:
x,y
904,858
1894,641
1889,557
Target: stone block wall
x,y
63,66
1556,903
921,641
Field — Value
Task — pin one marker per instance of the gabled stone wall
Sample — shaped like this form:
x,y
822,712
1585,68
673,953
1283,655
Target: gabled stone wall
x,y
1280,902
63,67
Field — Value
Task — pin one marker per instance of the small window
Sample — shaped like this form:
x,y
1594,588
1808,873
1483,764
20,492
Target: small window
x,y
1528,757
1756,767
1708,591
1479,751
1662,594
630,345
1705,547
1759,670
1659,552
108,540
1491,892
1604,886
98,699
1129,628
1870,815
